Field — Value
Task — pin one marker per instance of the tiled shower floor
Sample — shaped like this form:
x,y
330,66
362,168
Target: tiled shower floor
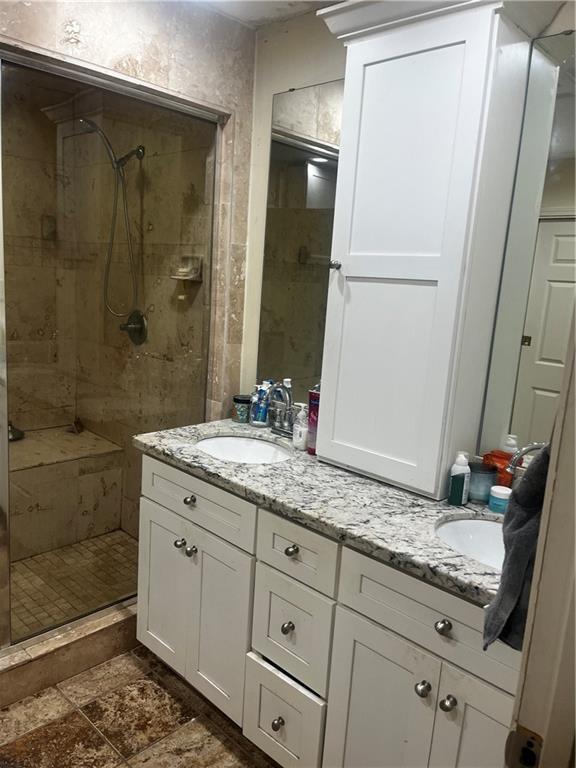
x,y
62,585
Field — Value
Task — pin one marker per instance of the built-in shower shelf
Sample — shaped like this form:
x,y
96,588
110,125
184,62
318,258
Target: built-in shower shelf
x,y
55,445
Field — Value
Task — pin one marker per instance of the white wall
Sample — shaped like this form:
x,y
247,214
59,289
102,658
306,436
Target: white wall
x,y
291,54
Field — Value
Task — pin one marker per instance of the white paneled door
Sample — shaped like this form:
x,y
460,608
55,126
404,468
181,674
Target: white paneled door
x,y
376,718
221,611
546,331
163,570
472,722
414,103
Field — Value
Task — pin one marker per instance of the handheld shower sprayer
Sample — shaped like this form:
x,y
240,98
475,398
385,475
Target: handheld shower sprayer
x,y
136,326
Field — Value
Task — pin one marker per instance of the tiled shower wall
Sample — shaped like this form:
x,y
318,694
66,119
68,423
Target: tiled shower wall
x,y
190,51
67,357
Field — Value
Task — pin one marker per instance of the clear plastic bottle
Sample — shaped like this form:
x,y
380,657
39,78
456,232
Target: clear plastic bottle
x,y
510,444
300,428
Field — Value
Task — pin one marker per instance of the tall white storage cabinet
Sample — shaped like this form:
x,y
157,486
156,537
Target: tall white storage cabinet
x,y
431,126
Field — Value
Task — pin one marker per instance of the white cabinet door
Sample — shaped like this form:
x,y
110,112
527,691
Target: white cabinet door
x,y
221,610
412,117
164,584
473,733
376,719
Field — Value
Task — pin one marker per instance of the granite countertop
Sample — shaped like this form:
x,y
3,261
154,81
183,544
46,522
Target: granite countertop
x,y
391,524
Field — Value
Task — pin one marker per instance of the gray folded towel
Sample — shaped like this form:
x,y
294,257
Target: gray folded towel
x,y
505,617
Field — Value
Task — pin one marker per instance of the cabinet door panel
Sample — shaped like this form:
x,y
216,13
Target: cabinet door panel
x,y
164,584
221,612
413,104
473,734
375,718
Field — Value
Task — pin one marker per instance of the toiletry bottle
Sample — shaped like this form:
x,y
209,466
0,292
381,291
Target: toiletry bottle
x,y
261,418
510,444
254,404
459,481
313,408
300,428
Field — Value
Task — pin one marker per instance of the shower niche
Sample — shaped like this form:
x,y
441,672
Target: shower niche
x,y
101,194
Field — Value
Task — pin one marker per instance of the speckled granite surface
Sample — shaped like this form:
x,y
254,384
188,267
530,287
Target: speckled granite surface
x,y
390,524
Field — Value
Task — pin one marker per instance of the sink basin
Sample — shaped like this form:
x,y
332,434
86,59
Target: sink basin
x,y
480,539
247,450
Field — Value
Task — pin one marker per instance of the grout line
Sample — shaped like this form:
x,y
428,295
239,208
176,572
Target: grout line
x,y
99,732
143,673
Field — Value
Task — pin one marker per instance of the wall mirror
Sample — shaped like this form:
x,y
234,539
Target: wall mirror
x,y
300,212
536,303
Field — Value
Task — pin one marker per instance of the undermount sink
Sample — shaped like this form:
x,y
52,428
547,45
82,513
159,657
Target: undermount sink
x,y
245,450
480,539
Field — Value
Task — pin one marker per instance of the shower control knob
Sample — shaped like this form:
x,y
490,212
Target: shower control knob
x,y
287,627
189,501
191,551
277,723
292,550
448,704
179,543
443,627
423,689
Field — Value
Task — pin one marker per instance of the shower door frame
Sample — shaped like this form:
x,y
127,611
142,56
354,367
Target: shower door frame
x,y
35,58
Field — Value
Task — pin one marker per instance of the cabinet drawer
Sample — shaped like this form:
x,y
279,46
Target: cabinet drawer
x,y
302,554
220,512
414,609
292,626
281,717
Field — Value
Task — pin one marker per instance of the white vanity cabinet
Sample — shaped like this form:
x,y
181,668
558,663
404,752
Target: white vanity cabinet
x,y
194,597
396,699
386,705
431,123
324,655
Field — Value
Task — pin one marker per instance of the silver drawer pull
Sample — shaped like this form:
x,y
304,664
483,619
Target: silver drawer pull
x,y
292,550
191,551
189,501
277,723
179,543
448,704
423,689
287,627
443,627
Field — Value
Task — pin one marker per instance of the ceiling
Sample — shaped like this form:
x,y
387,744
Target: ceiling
x,y
256,13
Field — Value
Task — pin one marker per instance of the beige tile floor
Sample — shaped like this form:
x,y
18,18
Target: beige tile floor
x,y
55,587
129,711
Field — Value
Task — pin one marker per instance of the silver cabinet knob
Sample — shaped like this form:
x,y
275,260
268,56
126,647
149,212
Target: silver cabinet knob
x,y
443,627
277,723
292,550
335,264
423,689
179,543
189,501
448,704
191,551
287,627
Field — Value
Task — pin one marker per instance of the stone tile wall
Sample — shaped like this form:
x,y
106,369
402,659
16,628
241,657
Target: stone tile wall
x,y
189,51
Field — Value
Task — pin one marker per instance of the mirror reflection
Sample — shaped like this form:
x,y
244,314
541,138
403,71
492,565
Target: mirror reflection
x,y
536,303
301,192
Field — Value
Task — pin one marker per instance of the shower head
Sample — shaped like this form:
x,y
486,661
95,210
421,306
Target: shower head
x,y
91,127
118,163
